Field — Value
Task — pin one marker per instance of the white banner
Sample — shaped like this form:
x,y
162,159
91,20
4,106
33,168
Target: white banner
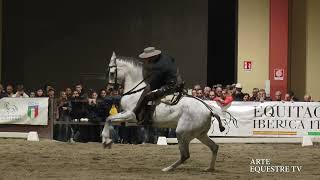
x,y
31,111
267,119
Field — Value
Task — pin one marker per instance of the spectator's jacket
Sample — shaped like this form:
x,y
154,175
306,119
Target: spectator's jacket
x,y
253,98
162,72
206,98
3,94
239,97
78,108
225,102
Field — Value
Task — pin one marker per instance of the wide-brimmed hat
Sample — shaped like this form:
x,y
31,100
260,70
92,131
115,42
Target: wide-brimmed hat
x,y
238,85
149,52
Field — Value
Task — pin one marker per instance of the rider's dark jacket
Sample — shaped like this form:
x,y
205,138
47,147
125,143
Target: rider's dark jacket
x,y
161,73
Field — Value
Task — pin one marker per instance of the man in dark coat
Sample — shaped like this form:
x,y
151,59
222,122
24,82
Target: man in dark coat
x,y
160,73
2,92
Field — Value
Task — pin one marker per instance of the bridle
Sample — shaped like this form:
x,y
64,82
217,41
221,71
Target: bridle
x,y
115,83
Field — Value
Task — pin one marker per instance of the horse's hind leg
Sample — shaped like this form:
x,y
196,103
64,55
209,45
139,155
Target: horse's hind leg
x,y
204,138
184,152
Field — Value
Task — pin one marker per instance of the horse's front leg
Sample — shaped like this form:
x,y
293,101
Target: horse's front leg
x,y
106,135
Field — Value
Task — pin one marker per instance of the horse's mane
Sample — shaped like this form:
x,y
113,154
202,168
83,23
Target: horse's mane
x,y
134,61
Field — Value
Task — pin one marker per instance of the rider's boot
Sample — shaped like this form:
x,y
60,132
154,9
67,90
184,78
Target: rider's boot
x,y
147,116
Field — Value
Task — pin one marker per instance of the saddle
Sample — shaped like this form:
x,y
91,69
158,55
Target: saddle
x,y
172,99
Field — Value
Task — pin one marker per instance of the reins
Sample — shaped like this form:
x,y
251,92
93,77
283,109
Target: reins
x,y
132,91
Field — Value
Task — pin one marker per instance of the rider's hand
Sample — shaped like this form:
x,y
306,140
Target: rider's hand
x,y
150,96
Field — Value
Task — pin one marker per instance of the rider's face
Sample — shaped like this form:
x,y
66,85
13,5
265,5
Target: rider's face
x,y
150,59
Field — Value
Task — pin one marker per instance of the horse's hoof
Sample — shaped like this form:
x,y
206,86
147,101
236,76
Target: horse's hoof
x,y
167,169
107,145
209,169
71,141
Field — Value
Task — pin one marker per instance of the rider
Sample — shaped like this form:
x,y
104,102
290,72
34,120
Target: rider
x,y
160,74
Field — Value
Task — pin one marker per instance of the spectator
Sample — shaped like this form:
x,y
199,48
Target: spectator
x,y
228,86
293,98
63,114
218,92
121,90
197,87
64,106
225,99
68,92
194,93
46,88
103,94
211,95
75,94
94,107
114,92
116,99
231,91
200,94
109,91
307,98
278,96
238,94
32,94
2,92
262,96
20,92
51,92
206,92
79,88
40,93
9,90
79,110
254,96
93,98
287,97
92,133
246,97
214,88
233,87
127,134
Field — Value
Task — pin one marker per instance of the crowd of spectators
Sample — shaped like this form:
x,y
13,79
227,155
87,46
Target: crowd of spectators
x,y
79,105
76,104
226,94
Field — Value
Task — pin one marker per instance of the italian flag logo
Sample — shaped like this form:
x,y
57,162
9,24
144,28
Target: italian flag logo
x,y
33,111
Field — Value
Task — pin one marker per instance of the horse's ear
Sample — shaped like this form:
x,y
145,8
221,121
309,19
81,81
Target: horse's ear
x,y
113,58
113,55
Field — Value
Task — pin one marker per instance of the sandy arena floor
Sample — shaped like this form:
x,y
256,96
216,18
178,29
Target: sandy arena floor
x,y
20,159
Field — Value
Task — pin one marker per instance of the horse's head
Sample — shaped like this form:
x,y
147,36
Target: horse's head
x,y
115,75
112,69
124,70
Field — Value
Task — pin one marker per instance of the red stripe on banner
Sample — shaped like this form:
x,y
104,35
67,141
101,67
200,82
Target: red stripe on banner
x,y
36,111
278,50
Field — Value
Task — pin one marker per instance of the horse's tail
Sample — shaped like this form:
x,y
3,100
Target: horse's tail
x,y
221,128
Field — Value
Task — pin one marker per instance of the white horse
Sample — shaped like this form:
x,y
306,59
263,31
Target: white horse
x,y
190,117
